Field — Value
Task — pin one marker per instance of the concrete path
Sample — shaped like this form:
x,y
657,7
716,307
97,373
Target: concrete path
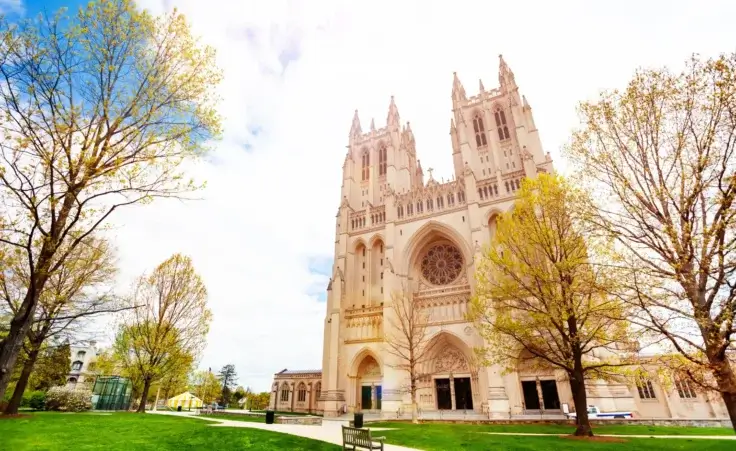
x,y
330,431
709,437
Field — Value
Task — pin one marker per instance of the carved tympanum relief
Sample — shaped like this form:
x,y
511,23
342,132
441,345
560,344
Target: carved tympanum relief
x,y
450,359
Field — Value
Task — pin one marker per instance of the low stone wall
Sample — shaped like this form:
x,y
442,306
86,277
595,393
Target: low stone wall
x,y
681,422
308,420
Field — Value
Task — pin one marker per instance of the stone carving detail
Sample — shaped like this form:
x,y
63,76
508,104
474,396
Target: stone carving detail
x,y
468,330
371,369
526,155
442,264
450,359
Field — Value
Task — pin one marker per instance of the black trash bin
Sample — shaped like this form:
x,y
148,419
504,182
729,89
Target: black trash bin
x,y
269,416
358,419
178,409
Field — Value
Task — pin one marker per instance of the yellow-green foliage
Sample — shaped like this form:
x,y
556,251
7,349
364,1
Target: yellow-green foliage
x,y
541,299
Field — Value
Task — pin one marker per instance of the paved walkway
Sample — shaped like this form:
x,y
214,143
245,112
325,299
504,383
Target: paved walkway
x,y
709,437
330,431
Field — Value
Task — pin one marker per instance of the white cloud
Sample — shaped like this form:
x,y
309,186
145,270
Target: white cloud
x,y
11,6
273,183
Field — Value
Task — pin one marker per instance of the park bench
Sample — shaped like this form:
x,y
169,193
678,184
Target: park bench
x,y
360,438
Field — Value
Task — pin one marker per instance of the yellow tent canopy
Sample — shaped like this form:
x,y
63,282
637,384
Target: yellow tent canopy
x,y
186,400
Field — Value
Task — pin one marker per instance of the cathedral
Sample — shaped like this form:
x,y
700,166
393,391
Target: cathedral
x,y
399,230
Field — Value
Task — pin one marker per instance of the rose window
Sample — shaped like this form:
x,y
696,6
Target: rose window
x,y
442,264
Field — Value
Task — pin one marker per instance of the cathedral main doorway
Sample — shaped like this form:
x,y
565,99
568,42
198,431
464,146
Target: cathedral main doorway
x,y
463,394
531,396
444,395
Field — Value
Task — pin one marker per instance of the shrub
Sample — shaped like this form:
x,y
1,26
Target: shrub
x,y
67,399
37,400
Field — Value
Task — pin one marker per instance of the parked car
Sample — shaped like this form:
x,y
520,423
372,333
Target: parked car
x,y
595,413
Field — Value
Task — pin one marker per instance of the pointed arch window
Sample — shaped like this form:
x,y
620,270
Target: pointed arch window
x,y
366,164
382,160
480,132
501,125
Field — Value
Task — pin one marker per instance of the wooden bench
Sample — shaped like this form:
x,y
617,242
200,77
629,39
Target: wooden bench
x,y
360,438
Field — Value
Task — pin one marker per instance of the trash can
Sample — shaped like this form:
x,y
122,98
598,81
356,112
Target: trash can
x,y
178,408
269,416
358,420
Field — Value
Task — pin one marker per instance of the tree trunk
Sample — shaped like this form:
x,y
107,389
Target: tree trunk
x,y
11,345
580,399
20,387
726,380
144,396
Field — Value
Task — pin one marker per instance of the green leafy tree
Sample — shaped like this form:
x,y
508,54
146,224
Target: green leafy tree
x,y
167,329
206,386
100,110
228,377
540,298
52,367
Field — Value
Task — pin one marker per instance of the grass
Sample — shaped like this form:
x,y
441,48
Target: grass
x,y
563,429
438,437
237,417
129,431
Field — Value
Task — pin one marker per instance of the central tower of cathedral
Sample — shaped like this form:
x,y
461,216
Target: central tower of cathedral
x,y
397,231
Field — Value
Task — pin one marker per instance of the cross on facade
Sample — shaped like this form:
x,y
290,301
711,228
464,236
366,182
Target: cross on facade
x,y
430,172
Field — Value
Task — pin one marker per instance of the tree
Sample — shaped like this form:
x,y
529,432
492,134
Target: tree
x,y
99,111
241,395
659,156
540,297
71,295
52,367
228,378
167,329
257,401
408,341
206,386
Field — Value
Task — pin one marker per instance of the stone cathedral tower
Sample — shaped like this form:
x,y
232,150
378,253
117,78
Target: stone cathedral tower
x,y
396,230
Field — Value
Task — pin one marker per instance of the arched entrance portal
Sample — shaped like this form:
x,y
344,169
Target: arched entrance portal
x,y
539,384
449,380
368,388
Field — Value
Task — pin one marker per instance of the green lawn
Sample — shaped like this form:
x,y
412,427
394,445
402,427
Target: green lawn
x,y
472,437
562,429
237,417
129,431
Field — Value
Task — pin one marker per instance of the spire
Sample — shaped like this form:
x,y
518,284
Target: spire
x,y
480,84
373,125
458,92
525,103
408,131
393,114
419,167
452,125
355,128
505,74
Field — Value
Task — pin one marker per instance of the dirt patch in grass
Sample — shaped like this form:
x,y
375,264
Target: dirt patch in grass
x,y
595,438
14,417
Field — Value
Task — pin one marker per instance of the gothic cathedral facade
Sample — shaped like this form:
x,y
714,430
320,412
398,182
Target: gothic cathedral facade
x,y
396,232
399,232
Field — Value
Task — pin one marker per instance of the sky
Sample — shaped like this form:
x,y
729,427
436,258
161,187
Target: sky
x,y
262,234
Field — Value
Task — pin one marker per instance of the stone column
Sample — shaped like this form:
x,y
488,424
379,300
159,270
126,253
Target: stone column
x,y
539,393
373,397
293,395
452,392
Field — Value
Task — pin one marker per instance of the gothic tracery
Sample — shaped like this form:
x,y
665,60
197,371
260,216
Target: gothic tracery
x,y
442,264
